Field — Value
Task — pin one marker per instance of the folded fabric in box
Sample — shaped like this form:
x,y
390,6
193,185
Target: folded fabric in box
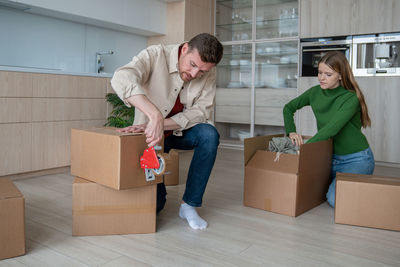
x,y
283,145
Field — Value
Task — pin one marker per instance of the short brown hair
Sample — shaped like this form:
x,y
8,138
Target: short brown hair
x,y
208,46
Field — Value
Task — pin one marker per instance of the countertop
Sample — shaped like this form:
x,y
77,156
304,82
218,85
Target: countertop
x,y
53,71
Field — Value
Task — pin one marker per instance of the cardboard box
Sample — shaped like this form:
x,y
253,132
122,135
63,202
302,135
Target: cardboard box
x,y
12,220
171,175
110,158
99,210
367,200
290,186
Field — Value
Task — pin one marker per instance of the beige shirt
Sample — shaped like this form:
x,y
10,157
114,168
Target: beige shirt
x,y
154,73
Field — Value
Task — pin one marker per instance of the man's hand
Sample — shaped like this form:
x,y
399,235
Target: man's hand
x,y
133,129
154,130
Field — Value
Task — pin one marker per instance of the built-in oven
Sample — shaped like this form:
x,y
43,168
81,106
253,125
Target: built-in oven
x,y
313,49
376,55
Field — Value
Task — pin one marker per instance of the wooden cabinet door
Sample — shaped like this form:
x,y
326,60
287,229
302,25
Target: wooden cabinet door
x,y
269,105
395,16
371,16
382,97
319,18
16,148
232,105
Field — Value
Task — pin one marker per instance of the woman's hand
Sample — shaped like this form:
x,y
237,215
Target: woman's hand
x,y
296,139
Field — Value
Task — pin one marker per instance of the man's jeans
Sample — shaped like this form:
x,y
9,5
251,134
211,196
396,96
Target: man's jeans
x,y
359,163
204,139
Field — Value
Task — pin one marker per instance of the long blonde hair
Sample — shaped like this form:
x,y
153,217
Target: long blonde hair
x,y
338,62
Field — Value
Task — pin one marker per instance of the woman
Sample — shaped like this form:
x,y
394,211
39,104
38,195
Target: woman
x,y
340,110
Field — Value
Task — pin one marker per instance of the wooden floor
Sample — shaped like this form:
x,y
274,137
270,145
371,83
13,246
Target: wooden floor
x,y
236,236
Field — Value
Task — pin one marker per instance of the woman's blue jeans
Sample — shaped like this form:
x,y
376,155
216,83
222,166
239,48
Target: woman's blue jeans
x,y
204,139
359,163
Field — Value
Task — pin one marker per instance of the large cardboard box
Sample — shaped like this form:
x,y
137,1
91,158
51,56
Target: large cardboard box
x,y
99,210
291,185
108,157
12,220
171,175
367,200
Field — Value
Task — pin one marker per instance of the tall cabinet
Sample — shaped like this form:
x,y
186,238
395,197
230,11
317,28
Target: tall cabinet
x,y
258,73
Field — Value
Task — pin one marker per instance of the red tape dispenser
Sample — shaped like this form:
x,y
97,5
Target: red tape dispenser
x,y
153,164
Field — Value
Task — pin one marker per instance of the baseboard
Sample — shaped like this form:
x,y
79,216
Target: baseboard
x,y
27,175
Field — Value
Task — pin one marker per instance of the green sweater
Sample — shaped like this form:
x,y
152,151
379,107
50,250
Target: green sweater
x,y
338,115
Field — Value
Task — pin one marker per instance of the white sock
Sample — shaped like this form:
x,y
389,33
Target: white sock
x,y
190,214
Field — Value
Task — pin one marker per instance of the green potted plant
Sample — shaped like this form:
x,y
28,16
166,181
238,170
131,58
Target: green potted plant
x,y
121,115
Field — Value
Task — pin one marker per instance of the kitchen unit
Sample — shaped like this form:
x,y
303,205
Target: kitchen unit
x,y
258,73
38,111
348,17
375,65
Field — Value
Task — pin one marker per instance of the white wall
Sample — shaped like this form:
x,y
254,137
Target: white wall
x,y
143,17
42,42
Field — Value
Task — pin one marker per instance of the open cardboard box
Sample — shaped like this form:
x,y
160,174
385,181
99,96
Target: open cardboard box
x,y
290,186
368,200
108,157
12,220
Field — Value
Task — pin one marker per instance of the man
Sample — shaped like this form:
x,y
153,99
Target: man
x,y
173,90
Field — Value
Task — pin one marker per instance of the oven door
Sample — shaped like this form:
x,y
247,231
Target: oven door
x,y
312,52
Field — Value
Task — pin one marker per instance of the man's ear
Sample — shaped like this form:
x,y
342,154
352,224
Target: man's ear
x,y
185,48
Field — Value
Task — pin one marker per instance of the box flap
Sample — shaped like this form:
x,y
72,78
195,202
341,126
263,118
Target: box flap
x,y
79,180
371,179
251,145
315,154
265,160
107,131
8,189
314,174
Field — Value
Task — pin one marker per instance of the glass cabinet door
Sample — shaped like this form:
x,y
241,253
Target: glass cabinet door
x,y
233,97
234,20
234,70
276,18
276,65
275,81
258,72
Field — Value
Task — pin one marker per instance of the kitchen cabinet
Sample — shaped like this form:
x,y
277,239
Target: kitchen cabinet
x,y
185,19
37,113
321,18
371,16
258,73
381,95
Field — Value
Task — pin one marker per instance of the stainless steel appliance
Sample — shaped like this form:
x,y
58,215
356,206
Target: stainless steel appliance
x,y
313,49
376,55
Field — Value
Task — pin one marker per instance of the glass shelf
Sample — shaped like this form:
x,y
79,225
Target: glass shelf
x,y
235,3
277,23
